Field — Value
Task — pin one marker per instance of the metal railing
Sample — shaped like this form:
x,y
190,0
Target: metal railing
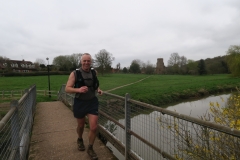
x,y
143,131
19,93
16,127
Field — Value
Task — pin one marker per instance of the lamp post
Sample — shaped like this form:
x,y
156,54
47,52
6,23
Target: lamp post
x,y
49,93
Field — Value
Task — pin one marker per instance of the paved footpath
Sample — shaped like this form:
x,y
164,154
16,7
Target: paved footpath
x,y
54,135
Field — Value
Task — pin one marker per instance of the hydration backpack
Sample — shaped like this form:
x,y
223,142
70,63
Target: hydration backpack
x,y
79,80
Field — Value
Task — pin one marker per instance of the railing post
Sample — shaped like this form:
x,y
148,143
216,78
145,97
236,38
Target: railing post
x,y
15,129
127,125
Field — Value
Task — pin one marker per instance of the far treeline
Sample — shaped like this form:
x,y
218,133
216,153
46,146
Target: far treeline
x,y
102,62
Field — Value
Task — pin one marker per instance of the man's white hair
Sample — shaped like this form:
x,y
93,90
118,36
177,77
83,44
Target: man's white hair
x,y
86,54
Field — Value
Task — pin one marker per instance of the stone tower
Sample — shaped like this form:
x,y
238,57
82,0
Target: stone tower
x,y
160,66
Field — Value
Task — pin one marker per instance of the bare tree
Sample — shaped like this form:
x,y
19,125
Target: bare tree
x,y
182,61
118,66
174,59
75,60
104,60
141,63
149,69
40,61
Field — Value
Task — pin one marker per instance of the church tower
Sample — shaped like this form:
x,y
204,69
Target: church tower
x,y
160,66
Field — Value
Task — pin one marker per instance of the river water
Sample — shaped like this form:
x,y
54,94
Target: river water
x,y
199,107
195,108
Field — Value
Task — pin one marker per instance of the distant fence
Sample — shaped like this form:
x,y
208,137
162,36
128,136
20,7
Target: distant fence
x,y
16,127
143,131
19,93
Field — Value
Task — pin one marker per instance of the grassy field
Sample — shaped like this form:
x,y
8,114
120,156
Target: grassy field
x,y
163,89
155,89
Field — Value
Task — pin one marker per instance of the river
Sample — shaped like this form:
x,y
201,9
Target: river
x,y
194,108
199,107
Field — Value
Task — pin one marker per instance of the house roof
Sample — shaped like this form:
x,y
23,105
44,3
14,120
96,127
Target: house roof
x,y
17,64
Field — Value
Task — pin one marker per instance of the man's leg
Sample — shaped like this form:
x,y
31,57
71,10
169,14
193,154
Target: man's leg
x,y
93,119
80,126
80,129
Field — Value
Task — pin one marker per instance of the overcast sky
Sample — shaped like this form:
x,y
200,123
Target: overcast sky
x,y
128,29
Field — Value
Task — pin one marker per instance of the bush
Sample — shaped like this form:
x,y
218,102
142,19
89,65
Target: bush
x,y
23,74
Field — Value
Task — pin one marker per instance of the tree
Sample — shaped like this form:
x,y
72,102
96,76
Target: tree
x,y
233,60
149,68
182,61
192,67
216,65
40,64
141,64
118,66
6,63
173,63
67,62
37,66
201,67
62,63
75,60
4,58
201,142
40,61
125,70
104,61
174,59
135,67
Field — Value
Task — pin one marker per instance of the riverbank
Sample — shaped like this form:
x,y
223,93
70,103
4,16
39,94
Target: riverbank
x,y
164,89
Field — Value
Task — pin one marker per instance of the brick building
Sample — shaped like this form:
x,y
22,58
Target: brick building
x,y
17,66
160,68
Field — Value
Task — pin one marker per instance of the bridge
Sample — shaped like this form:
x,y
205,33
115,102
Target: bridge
x,y
54,135
137,130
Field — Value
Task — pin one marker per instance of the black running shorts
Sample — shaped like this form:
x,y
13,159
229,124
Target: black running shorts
x,y
83,107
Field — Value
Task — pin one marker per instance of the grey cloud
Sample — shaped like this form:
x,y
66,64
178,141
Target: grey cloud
x,y
144,30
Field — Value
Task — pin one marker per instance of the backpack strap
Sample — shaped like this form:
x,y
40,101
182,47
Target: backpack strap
x,y
95,79
79,81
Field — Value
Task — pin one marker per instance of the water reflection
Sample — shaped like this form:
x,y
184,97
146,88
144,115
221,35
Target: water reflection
x,y
199,107
195,108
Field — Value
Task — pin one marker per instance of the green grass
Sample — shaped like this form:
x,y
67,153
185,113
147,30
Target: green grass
x,y
163,89
107,82
157,89
19,83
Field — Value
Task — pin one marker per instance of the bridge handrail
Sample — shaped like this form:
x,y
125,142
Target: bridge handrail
x,y
173,130
19,93
16,126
